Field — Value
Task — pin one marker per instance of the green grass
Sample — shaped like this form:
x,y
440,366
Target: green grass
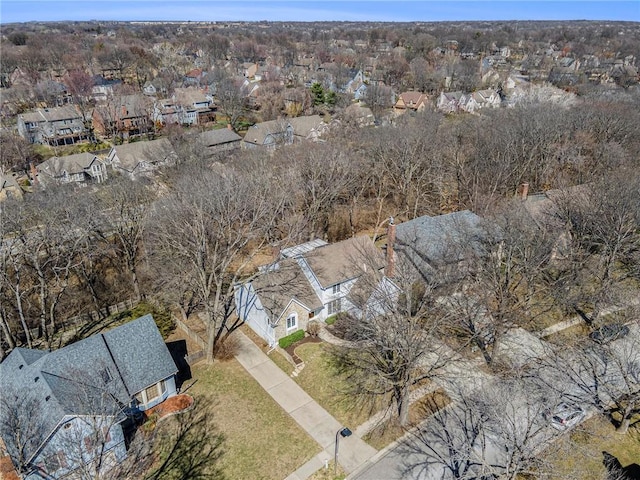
x,y
579,454
319,380
261,440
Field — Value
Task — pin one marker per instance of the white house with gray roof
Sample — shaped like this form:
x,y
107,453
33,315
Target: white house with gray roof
x,y
72,402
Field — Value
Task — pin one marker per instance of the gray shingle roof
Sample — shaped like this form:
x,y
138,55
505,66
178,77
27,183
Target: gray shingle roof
x,y
77,163
212,138
130,155
97,375
430,242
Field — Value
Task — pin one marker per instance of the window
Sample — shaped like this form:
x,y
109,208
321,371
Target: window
x,y
151,392
292,321
333,306
335,289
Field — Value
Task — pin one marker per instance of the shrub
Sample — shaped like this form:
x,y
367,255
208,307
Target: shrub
x,y
313,328
227,348
331,320
289,340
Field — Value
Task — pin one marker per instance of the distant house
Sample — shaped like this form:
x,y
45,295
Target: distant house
x,y
81,169
482,99
451,102
194,77
219,140
359,115
154,87
269,134
103,88
141,158
415,101
310,127
124,115
187,106
53,126
248,69
74,401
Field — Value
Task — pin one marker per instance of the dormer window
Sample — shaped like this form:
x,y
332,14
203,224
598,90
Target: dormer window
x,y
335,289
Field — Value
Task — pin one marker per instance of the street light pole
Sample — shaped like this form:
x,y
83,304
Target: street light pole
x,y
343,432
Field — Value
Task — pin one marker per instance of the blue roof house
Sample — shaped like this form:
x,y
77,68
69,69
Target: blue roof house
x,y
62,411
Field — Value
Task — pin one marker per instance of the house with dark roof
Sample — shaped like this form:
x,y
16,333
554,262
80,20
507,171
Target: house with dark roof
x,y
141,158
60,408
436,247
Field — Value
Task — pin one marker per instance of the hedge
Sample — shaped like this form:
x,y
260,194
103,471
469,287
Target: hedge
x,y
289,340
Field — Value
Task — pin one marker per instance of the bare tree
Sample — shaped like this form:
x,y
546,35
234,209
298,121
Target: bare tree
x,y
393,342
604,222
205,237
491,432
126,206
231,99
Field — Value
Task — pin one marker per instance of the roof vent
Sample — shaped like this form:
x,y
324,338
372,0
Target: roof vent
x,y
47,398
20,367
36,379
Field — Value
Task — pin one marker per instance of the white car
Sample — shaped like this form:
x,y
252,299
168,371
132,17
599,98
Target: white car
x,y
565,416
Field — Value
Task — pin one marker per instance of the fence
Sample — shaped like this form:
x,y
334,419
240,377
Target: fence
x,y
193,336
96,315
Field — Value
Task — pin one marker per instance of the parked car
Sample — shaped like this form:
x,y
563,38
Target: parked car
x,y
565,415
608,333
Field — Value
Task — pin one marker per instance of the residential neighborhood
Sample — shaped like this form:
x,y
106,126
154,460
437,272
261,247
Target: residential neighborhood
x,y
320,250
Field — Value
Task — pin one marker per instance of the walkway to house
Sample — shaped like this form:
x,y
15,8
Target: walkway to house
x,y
314,419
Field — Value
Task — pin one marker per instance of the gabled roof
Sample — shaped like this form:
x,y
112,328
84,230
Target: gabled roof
x,y
95,376
283,283
303,126
211,138
130,155
430,242
55,166
258,133
338,262
53,114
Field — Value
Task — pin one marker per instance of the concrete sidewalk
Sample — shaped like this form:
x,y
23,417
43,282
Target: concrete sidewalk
x,y
314,419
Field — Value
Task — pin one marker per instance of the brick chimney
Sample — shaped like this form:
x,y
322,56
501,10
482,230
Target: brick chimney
x,y
524,190
390,269
34,173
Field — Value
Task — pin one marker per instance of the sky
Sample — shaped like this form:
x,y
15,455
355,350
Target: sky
x,y
328,10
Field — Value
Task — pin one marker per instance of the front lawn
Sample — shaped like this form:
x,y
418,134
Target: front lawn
x,y
261,440
319,380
